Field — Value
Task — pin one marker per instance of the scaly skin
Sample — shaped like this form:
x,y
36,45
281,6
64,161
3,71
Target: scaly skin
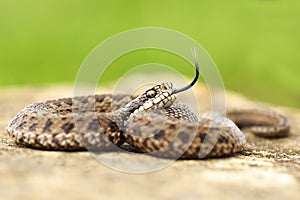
x,y
150,123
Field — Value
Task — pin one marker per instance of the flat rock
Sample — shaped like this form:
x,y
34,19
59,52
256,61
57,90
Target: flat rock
x,y
266,168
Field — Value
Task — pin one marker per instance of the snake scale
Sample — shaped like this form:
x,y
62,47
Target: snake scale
x,y
151,123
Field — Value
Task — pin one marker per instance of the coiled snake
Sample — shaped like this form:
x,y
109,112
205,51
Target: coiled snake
x,y
150,122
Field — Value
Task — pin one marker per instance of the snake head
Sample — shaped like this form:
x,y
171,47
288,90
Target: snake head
x,y
159,96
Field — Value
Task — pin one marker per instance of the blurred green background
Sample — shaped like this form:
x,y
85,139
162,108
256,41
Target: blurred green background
x,y
255,43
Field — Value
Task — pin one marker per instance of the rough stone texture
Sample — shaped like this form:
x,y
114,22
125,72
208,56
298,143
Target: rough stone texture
x,y
267,169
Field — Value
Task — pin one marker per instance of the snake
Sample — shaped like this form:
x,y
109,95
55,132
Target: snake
x,y
152,123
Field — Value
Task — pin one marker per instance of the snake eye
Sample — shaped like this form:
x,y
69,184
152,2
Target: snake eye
x,y
151,93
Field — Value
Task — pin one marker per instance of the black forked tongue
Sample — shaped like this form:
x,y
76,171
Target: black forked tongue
x,y
193,81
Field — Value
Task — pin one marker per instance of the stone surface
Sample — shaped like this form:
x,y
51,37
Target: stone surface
x,y
267,169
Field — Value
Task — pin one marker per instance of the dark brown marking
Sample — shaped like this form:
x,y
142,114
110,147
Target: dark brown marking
x,y
172,126
159,134
99,98
184,137
22,124
202,137
113,126
68,102
33,127
67,127
47,125
57,103
94,125
101,109
222,139
33,118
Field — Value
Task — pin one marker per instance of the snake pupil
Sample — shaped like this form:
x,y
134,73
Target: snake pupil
x,y
151,93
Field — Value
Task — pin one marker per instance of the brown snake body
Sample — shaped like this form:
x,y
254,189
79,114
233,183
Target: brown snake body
x,y
114,120
150,123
